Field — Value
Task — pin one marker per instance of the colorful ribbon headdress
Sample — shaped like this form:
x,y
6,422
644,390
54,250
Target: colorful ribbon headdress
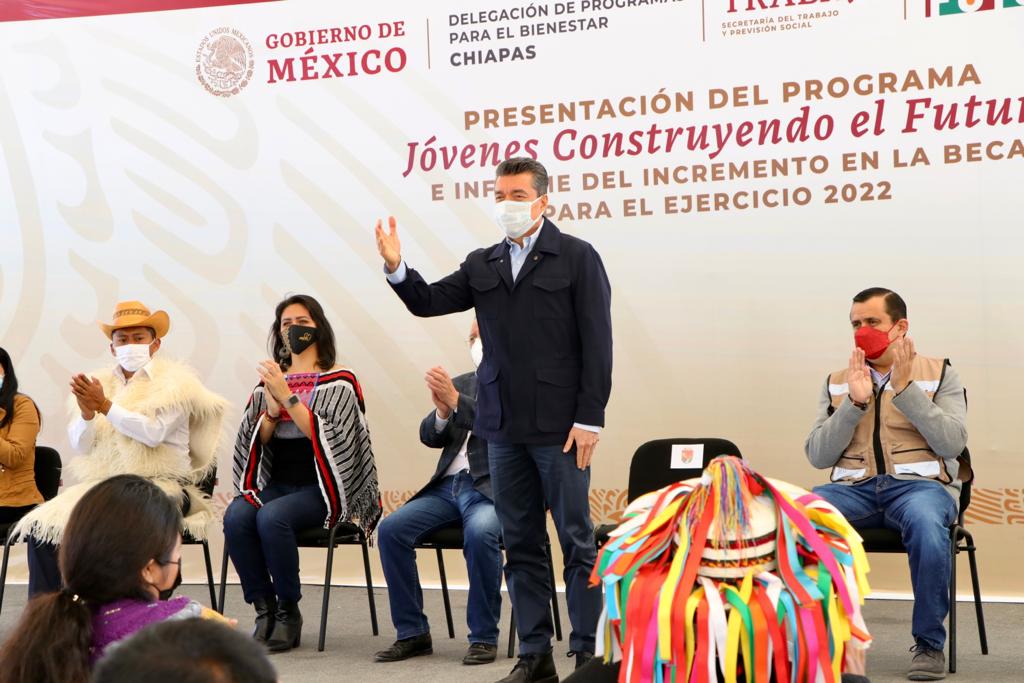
x,y
732,574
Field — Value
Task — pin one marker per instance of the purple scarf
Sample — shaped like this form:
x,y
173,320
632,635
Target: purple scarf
x,y
120,619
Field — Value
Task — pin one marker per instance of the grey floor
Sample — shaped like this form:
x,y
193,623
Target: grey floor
x,y
350,645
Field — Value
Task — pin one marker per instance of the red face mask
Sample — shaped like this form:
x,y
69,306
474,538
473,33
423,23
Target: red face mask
x,y
871,341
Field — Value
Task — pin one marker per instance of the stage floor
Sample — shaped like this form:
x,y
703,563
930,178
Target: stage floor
x,y
350,646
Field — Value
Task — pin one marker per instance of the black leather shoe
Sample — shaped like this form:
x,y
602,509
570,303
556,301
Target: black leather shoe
x,y
480,653
287,627
416,646
581,657
265,608
533,669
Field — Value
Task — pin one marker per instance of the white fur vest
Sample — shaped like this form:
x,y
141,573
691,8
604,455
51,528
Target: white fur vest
x,y
173,385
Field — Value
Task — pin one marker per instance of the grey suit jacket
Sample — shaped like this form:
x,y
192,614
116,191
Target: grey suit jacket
x,y
451,437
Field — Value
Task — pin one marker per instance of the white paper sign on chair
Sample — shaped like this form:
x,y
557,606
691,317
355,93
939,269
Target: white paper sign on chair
x,y
687,456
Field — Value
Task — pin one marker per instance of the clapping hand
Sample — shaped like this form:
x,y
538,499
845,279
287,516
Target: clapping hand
x,y
89,393
442,391
274,382
859,378
903,354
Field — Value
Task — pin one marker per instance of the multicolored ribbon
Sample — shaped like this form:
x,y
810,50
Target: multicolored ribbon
x,y
670,623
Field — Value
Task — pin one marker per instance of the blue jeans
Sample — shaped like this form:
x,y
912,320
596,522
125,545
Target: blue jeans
x,y
449,501
261,541
527,479
922,511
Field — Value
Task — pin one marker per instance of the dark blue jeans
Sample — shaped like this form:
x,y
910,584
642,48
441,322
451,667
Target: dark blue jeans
x,y
43,570
448,501
261,541
921,511
526,479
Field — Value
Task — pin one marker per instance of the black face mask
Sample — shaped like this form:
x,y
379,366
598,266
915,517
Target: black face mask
x,y
300,338
166,593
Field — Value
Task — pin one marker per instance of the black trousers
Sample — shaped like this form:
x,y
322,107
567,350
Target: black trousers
x,y
9,515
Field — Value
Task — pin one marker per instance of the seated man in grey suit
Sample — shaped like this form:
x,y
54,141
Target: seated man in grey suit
x,y
458,493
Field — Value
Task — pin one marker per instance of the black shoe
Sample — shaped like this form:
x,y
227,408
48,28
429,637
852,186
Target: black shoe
x,y
406,648
533,669
265,608
287,627
581,656
480,653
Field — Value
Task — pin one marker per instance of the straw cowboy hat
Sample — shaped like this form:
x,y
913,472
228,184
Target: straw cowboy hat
x,y
135,314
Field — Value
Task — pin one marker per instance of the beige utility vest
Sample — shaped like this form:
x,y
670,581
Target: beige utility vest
x,y
885,441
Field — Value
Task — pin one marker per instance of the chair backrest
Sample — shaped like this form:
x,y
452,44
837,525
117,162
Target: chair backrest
x,y
661,462
48,468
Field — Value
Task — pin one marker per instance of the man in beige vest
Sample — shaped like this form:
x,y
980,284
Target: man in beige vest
x,y
891,426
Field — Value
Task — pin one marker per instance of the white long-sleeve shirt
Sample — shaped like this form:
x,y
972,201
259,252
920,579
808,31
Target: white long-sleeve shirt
x,y
169,426
461,461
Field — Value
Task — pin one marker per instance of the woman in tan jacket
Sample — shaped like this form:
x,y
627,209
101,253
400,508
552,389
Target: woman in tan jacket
x,y
19,427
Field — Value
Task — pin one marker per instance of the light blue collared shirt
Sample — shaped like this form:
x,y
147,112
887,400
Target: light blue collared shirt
x,y
517,254
878,378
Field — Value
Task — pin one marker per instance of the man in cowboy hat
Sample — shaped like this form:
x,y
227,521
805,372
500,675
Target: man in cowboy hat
x,y
148,416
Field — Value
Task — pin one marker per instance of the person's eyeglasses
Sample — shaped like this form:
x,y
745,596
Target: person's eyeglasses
x,y
164,563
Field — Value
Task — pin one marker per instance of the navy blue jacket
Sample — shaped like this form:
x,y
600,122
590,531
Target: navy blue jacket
x,y
454,433
547,336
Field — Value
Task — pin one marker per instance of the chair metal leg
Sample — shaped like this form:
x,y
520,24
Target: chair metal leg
x,y
223,578
512,634
976,585
327,593
3,569
952,603
369,588
209,574
555,613
444,593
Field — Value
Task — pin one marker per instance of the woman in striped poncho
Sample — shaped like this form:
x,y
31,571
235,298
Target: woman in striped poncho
x,y
302,460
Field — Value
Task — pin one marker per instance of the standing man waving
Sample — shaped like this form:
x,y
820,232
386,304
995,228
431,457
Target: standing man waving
x,y
542,301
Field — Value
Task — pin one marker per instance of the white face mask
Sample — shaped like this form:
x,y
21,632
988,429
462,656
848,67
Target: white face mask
x,y
476,352
514,217
132,357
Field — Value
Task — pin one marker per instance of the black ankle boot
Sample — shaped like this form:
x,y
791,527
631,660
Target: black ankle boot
x,y
265,608
287,627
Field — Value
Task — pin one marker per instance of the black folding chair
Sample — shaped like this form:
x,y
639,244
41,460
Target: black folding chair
x,y
342,534
206,486
960,540
652,468
47,470
453,538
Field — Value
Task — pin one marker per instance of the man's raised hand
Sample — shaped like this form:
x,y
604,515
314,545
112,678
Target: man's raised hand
x,y
388,244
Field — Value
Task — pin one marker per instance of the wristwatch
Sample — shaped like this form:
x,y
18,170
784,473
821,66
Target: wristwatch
x,y
291,401
862,406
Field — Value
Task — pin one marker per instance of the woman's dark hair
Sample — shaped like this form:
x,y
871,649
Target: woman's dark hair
x,y
117,527
326,353
9,389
